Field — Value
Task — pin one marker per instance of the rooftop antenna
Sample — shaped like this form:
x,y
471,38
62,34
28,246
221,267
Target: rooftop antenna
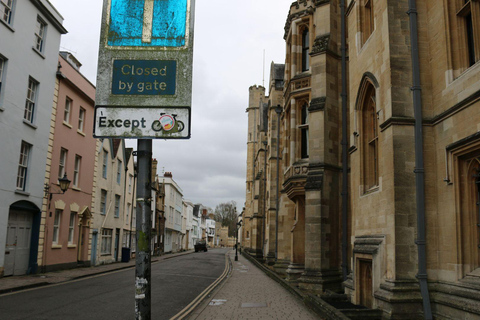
x,y
263,79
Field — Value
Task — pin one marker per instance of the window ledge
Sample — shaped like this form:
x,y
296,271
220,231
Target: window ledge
x,y
7,25
371,190
30,124
23,193
76,189
71,246
66,124
81,133
38,52
56,246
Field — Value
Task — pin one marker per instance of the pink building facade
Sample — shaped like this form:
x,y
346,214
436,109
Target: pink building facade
x,y
65,235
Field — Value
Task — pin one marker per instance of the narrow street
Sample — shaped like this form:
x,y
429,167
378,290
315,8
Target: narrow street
x,y
175,283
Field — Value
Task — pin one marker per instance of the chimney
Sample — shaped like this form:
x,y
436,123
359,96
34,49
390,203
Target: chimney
x,y
154,169
168,175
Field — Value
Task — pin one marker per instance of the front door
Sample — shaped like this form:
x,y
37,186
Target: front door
x,y
366,283
17,250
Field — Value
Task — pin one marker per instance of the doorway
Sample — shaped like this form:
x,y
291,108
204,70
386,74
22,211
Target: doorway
x,y
19,240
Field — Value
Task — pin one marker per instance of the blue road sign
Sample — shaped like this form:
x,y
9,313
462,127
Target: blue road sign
x,y
147,23
144,77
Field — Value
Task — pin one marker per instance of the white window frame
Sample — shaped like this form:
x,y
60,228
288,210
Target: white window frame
x,y
103,201
6,11
81,119
117,206
106,247
62,163
30,100
129,208
25,150
119,171
130,182
56,226
67,111
71,228
40,31
2,69
105,164
76,171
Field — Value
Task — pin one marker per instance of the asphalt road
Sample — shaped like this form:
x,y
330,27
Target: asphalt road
x,y
175,283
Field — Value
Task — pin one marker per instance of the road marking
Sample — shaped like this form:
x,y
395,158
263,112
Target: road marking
x,y
188,309
147,21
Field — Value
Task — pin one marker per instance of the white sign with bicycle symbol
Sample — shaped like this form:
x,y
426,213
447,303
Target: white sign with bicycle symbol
x,y
121,122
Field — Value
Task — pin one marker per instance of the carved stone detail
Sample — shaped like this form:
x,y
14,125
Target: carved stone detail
x,y
317,104
320,45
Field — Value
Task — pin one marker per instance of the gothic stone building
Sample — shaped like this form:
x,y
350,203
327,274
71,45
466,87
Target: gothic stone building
x,y
388,211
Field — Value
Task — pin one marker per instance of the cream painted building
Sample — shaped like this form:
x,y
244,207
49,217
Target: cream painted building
x,y
109,202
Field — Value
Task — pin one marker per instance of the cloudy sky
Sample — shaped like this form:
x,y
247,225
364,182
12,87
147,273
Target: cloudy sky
x,y
230,40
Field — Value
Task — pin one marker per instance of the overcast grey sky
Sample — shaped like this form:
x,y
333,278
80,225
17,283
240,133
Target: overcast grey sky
x,y
230,39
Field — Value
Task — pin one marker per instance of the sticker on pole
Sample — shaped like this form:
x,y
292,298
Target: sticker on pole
x,y
161,123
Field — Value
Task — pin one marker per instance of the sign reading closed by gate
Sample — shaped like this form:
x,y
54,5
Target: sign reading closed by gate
x,y
145,63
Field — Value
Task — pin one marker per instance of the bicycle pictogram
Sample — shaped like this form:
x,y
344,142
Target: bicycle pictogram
x,y
168,123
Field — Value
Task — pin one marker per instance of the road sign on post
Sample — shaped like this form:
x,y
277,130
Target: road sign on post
x,y
145,60
144,91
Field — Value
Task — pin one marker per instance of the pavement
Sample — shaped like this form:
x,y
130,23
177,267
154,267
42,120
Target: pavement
x,y
248,293
243,292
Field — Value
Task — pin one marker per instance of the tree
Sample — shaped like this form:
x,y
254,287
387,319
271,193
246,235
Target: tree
x,y
226,213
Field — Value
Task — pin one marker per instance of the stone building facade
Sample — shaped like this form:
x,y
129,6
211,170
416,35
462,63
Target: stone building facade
x,y
386,203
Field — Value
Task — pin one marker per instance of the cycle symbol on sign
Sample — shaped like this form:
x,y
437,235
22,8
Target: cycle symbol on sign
x,y
168,123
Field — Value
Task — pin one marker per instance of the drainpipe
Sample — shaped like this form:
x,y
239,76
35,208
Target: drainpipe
x,y
344,147
278,110
419,165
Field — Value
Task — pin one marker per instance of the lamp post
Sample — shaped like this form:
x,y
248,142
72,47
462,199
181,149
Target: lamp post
x,y
238,225
278,110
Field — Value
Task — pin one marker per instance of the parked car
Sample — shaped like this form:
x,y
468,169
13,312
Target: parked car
x,y
201,245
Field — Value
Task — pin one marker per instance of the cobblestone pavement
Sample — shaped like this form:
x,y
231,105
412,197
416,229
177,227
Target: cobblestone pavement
x,y
16,283
250,294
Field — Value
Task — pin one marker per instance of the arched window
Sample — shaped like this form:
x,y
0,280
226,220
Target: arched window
x,y
369,138
305,50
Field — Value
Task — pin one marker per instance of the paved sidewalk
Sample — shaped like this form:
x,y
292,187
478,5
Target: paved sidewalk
x,y
249,293
16,283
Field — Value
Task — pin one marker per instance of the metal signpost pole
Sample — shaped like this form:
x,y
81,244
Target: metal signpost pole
x,y
144,228
144,92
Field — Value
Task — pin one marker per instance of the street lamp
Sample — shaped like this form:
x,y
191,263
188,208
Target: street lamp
x,y
64,184
239,224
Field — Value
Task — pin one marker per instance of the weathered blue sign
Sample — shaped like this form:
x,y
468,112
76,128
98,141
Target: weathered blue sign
x,y
148,23
144,77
